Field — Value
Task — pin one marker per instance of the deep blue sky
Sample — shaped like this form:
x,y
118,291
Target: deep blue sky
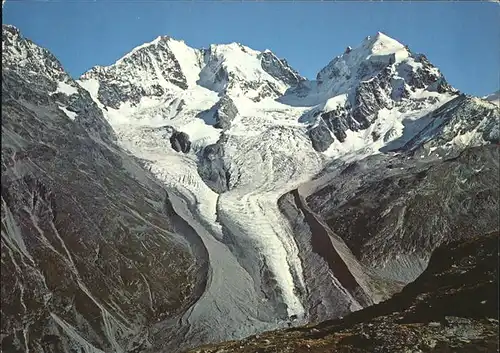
x,y
461,38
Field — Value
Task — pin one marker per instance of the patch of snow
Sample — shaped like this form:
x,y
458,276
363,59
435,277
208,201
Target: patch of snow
x,y
343,72
467,138
333,103
65,88
92,86
71,115
200,134
381,44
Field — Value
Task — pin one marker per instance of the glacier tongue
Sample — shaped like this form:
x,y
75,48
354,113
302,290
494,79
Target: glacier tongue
x,y
255,269
268,165
242,230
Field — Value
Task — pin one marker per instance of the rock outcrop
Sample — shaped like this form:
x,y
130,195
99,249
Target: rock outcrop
x,y
212,168
321,137
279,69
180,141
225,112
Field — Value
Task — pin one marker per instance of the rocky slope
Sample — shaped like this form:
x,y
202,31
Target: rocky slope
x,y
451,307
92,253
260,199
393,211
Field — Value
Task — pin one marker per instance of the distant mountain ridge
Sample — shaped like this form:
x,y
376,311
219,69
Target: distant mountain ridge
x,y
494,98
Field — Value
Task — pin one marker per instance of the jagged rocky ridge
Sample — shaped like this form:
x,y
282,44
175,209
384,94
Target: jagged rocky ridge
x,y
229,132
451,307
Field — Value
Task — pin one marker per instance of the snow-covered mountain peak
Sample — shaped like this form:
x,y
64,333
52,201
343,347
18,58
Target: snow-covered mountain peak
x,y
154,70
151,45
355,88
164,55
238,70
166,79
25,58
396,70
382,44
25,55
231,49
362,63
165,67
26,64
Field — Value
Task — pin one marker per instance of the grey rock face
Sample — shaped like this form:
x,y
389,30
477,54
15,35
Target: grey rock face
x,y
225,112
23,60
338,122
212,169
279,69
370,97
320,259
321,137
180,142
459,117
427,76
451,307
92,255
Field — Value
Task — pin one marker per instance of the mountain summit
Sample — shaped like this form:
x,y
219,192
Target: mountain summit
x,y
166,65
